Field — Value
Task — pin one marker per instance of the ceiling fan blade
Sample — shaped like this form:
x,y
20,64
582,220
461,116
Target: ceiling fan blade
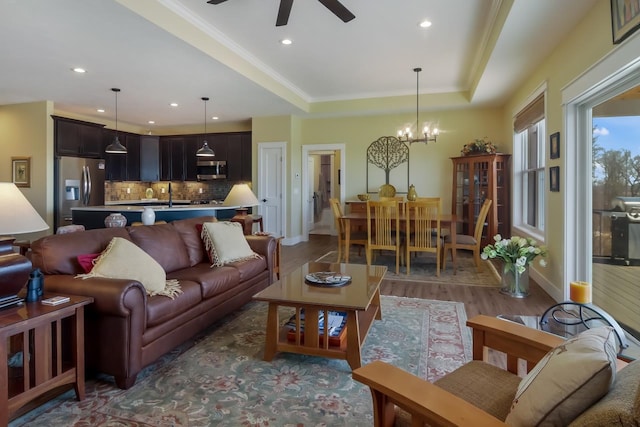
x,y
338,9
283,12
216,1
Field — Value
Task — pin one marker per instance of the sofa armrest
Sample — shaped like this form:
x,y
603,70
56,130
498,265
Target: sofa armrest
x,y
265,246
424,401
116,297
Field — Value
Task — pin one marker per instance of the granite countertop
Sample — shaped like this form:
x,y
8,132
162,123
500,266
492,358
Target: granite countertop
x,y
145,201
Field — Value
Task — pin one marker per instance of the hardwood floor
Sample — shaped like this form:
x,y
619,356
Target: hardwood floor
x,y
477,300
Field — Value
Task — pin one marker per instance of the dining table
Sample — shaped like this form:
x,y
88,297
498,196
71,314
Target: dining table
x,y
447,221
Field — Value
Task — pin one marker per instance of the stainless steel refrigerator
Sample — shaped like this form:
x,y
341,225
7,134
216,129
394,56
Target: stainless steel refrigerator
x,y
79,182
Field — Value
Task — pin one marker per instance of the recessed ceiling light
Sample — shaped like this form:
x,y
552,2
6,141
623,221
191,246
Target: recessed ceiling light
x,y
286,41
100,110
425,24
79,70
214,118
151,122
174,104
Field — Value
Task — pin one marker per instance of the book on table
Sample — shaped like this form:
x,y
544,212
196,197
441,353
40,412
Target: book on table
x,y
337,326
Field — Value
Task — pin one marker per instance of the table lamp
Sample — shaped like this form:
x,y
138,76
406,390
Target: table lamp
x,y
242,196
17,216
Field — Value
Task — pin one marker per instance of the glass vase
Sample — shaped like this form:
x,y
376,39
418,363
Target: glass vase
x,y
515,284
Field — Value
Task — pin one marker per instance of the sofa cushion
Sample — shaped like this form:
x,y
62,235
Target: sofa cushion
x,y
225,243
122,259
213,281
191,236
567,380
160,310
58,253
249,268
621,406
163,243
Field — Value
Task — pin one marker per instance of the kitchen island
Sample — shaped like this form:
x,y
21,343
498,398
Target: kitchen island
x,y
93,216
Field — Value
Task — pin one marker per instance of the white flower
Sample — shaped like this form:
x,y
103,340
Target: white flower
x,y
497,237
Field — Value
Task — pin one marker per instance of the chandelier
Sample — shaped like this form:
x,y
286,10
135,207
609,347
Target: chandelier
x,y
428,134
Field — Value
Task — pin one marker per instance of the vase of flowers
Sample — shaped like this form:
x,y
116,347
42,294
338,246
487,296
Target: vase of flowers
x,y
479,146
516,253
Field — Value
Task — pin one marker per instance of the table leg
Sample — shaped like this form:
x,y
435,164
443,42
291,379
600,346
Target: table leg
x,y
353,340
4,382
79,352
272,335
347,239
452,231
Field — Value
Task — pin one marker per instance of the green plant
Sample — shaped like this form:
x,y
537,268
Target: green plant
x,y
481,146
517,251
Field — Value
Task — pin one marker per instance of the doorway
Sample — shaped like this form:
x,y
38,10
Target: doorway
x,y
323,179
584,101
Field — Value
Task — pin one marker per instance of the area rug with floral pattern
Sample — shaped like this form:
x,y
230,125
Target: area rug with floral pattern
x,y
423,268
220,379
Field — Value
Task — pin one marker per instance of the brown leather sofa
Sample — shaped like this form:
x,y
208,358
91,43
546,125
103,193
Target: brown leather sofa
x,y
125,329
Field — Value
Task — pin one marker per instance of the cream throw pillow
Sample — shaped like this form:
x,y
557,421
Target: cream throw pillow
x,y
567,381
122,259
225,243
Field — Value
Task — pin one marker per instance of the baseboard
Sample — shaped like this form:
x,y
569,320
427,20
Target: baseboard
x,y
547,286
290,241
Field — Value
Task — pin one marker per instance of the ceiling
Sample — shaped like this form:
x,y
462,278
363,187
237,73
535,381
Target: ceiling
x,y
475,53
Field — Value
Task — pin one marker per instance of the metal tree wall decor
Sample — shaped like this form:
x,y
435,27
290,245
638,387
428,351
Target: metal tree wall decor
x,y
390,156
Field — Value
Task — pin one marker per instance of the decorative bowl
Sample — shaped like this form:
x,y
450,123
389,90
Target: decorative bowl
x,y
387,190
363,197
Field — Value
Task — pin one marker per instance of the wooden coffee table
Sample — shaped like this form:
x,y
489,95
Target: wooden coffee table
x,y
360,299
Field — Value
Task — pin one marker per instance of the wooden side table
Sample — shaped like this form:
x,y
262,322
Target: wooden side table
x,y
51,339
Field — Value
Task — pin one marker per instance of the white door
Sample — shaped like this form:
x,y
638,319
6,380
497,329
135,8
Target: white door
x,y
271,192
311,170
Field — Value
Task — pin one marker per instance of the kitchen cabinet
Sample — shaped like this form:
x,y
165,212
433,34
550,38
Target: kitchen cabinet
x,y
191,146
172,161
78,138
123,167
239,156
476,178
149,158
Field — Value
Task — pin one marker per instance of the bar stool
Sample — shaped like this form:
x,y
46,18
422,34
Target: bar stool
x,y
258,219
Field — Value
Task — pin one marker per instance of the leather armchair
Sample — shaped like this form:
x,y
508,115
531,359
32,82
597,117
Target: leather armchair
x,y
479,393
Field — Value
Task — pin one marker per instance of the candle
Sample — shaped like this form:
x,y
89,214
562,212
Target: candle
x,y
580,292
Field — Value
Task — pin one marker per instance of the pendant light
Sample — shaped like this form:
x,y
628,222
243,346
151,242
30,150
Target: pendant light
x,y
115,147
428,135
205,150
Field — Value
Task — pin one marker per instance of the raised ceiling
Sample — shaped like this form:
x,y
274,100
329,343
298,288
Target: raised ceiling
x,y
475,53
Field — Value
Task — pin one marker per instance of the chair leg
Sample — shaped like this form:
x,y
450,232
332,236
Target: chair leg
x,y
437,261
408,260
340,243
476,258
368,255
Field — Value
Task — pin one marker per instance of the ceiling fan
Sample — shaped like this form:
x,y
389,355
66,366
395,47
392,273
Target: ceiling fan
x,y
285,9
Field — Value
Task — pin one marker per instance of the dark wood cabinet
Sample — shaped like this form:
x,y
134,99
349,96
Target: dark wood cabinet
x,y
476,178
78,138
172,162
239,157
149,158
123,167
191,146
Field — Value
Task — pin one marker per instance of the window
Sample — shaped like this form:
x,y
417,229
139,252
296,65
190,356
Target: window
x,y
529,169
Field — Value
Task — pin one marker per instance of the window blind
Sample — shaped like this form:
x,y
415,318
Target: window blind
x,y
532,113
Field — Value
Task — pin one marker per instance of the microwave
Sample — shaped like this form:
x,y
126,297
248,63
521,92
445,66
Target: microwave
x,y
211,169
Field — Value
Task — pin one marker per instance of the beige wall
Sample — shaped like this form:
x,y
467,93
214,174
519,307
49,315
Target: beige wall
x,y
588,43
27,131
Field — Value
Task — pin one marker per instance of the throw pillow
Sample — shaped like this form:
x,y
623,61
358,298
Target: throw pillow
x,y
567,381
86,261
225,243
122,259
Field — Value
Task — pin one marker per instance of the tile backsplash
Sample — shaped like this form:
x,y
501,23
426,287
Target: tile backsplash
x,y
182,190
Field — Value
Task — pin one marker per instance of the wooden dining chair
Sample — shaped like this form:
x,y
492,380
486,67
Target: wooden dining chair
x,y
467,242
383,229
423,230
357,238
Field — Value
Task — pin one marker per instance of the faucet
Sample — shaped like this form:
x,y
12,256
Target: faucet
x,y
170,196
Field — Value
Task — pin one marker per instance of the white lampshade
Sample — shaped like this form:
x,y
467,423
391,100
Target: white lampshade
x,y
17,216
241,195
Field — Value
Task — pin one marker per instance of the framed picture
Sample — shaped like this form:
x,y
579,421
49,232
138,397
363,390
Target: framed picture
x,y
21,171
625,19
554,145
554,178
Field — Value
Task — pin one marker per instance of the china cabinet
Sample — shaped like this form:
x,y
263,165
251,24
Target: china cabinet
x,y
476,178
